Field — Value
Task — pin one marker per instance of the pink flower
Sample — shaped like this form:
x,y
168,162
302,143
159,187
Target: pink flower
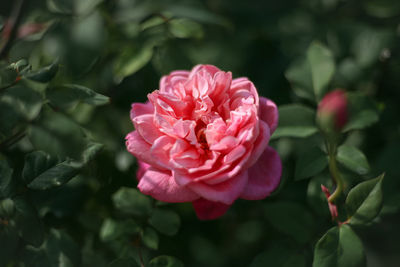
x,y
333,107
203,138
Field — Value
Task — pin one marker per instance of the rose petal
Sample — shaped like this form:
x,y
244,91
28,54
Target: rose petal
x,y
141,109
260,144
226,192
161,185
142,168
146,128
269,113
138,147
209,210
264,176
161,148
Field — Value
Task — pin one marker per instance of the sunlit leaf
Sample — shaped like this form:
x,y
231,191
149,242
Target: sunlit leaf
x,y
43,75
310,163
353,159
150,238
322,66
131,201
68,95
364,201
295,121
339,247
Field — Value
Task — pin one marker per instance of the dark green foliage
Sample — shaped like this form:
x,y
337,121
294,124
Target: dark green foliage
x,y
71,69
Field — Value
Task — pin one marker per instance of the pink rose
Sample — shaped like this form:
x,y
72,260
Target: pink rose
x,y
203,138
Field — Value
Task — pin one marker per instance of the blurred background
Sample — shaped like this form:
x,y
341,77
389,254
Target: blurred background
x,y
121,48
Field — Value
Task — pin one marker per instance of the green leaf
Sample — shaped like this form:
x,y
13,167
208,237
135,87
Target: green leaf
x,y
368,44
6,181
150,238
322,66
25,100
43,75
132,60
353,159
299,76
363,112
68,95
165,261
44,176
165,221
123,262
185,28
28,223
111,229
131,201
364,201
310,163
61,249
339,247
42,172
7,208
281,214
8,75
295,121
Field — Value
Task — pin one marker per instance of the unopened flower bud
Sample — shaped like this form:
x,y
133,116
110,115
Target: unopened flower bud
x,y
332,111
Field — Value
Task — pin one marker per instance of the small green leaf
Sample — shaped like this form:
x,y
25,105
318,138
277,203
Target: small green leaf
x,y
35,164
339,247
310,163
25,100
165,221
363,112
111,229
43,75
353,159
364,201
150,238
131,60
165,261
185,28
68,95
7,208
281,214
57,175
123,262
322,66
61,249
28,222
42,172
295,121
131,201
8,75
6,181
299,76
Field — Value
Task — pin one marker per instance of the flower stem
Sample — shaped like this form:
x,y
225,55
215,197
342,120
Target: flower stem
x,y
332,151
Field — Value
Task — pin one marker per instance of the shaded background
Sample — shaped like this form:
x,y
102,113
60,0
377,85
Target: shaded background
x,y
121,48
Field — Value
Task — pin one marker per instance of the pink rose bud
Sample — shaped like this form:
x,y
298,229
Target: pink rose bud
x,y
332,110
203,138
